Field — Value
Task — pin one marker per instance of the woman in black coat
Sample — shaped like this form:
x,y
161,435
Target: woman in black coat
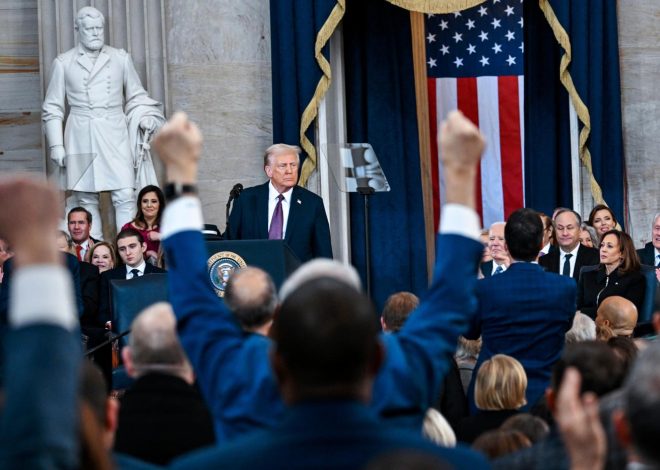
x,y
619,273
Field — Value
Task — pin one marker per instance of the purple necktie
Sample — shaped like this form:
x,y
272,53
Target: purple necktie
x,y
277,222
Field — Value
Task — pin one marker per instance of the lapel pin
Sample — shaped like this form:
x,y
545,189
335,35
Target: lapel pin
x,y
298,200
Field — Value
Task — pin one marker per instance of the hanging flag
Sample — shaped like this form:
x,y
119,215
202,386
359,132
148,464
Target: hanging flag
x,y
474,62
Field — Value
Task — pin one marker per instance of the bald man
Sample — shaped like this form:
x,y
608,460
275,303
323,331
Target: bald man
x,y
252,298
616,316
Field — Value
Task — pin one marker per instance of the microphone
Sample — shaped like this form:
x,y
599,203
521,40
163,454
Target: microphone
x,y
235,191
233,194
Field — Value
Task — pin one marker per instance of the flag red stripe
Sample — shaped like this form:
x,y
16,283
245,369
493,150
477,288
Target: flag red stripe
x,y
468,103
511,152
433,131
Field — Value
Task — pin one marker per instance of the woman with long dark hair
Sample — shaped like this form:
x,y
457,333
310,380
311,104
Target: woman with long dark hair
x,y
150,207
619,273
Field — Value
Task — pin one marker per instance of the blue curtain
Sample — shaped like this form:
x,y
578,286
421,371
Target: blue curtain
x,y
592,28
381,110
294,25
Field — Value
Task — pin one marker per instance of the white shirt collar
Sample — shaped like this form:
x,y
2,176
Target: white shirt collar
x,y
574,252
141,267
273,193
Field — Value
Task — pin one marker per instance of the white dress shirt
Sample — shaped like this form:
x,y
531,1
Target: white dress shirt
x,y
140,267
562,259
272,202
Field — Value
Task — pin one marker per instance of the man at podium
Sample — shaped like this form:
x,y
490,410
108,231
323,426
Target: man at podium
x,y
280,209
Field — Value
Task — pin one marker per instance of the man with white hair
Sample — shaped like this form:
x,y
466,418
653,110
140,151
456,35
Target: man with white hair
x,y
416,359
281,210
162,415
650,254
497,249
109,111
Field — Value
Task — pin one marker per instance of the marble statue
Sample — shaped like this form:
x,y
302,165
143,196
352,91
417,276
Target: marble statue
x,y
104,146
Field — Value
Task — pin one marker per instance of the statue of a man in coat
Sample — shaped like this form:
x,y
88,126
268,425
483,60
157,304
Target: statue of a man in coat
x,y
111,118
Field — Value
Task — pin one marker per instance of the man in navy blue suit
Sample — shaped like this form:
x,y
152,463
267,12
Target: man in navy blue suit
x,y
524,312
234,374
311,364
280,209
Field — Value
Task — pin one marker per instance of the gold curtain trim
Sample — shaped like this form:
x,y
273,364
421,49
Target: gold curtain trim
x,y
581,109
312,109
436,6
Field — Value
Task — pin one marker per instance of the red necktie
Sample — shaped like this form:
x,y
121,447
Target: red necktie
x,y
78,251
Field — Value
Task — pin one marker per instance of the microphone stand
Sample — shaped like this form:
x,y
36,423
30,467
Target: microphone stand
x,y
105,343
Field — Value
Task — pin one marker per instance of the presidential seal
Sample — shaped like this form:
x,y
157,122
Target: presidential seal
x,y
220,268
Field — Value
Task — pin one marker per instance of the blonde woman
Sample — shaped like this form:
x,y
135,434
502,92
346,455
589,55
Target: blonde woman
x,y
499,393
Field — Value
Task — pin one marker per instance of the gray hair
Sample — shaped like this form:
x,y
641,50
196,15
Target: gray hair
x,y
642,404
251,296
655,217
280,149
583,329
154,343
321,268
87,12
592,233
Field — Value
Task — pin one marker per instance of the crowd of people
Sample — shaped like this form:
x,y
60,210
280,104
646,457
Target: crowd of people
x,y
531,348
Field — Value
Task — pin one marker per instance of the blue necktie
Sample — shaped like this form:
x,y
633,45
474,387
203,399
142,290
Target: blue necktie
x,y
657,265
135,273
566,270
277,222
498,270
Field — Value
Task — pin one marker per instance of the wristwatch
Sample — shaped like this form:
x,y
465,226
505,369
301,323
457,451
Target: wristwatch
x,y
175,190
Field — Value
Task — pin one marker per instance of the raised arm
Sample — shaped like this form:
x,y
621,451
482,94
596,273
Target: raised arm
x,y
39,419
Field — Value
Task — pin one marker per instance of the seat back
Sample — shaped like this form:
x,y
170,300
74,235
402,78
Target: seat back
x,y
131,296
651,294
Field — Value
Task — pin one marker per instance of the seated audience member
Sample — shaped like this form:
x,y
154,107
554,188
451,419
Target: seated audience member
x,y
437,429
150,206
251,296
638,424
79,222
601,371
498,442
499,393
326,356
583,329
162,415
616,316
484,240
417,356
396,310
500,259
618,274
65,243
39,420
588,236
533,427
650,254
5,254
525,311
131,248
103,256
549,238
625,349
602,219
571,255
466,356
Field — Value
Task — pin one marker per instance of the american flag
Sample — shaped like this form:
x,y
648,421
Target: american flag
x,y
474,62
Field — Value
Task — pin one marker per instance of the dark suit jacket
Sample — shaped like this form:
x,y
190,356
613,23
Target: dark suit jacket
x,y
486,420
105,300
90,279
325,435
631,286
72,264
647,254
524,313
162,417
585,257
307,230
416,359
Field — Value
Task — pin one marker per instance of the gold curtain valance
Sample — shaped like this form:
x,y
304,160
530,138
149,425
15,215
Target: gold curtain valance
x,y
436,6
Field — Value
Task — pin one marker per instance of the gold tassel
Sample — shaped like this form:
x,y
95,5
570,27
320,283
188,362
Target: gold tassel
x,y
436,6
